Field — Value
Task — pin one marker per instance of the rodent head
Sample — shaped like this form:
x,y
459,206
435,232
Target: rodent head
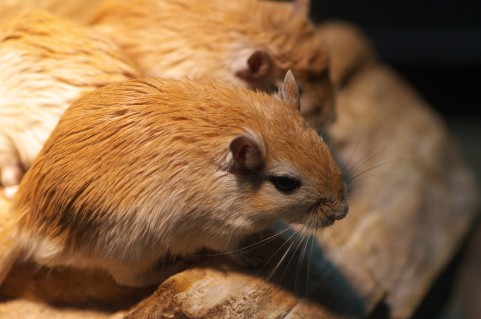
x,y
246,42
180,164
286,169
292,44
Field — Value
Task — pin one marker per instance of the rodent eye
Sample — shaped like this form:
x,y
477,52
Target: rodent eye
x,y
285,183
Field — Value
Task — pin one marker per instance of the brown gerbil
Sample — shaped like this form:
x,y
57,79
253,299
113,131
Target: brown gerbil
x,y
46,63
247,42
141,169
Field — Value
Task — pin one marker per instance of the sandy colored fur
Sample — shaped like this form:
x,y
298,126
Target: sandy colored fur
x,y
8,252
76,10
198,39
46,63
140,169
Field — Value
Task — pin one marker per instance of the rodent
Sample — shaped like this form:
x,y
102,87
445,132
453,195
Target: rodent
x,y
138,170
46,63
246,42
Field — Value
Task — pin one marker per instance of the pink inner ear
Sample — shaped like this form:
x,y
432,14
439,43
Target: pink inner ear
x,y
242,155
246,154
259,64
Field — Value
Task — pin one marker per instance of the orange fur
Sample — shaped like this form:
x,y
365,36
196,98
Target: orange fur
x,y
8,251
141,169
77,10
198,38
46,63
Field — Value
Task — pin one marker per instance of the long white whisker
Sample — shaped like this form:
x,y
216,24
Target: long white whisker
x,y
355,175
301,259
271,274
299,241
309,260
253,246
372,152
277,251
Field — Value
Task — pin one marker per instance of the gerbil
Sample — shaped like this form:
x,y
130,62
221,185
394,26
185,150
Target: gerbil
x,y
141,169
247,42
46,63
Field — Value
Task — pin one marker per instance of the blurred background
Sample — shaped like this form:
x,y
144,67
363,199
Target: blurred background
x,y
436,46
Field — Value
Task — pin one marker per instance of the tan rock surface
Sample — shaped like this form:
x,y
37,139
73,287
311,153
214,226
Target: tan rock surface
x,y
413,200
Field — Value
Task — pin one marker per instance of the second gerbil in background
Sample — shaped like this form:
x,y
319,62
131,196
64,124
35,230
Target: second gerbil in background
x,y
246,42
46,63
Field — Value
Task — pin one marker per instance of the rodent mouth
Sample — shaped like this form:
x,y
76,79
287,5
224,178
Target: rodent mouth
x,y
327,212
328,221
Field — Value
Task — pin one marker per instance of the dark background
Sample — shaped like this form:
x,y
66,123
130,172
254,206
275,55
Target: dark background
x,y
436,45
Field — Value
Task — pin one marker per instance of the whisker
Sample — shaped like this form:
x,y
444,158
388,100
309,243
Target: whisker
x,y
299,241
253,246
305,258
301,259
372,152
354,175
348,161
334,237
276,252
309,260
271,274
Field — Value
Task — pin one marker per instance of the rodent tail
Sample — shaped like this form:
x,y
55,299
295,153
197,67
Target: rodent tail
x,y
9,252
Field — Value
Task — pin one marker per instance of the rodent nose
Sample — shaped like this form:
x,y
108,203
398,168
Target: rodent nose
x,y
343,211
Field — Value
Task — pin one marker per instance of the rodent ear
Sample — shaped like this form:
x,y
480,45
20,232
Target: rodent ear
x,y
254,66
289,92
302,7
247,154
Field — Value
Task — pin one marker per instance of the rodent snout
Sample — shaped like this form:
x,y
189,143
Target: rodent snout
x,y
343,211
334,215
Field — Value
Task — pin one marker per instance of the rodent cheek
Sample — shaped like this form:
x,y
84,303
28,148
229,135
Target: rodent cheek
x,y
273,205
264,206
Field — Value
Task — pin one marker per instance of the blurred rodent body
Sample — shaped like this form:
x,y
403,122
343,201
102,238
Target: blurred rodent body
x,y
246,42
46,63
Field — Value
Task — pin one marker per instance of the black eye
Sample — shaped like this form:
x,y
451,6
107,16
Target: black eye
x,y
285,183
